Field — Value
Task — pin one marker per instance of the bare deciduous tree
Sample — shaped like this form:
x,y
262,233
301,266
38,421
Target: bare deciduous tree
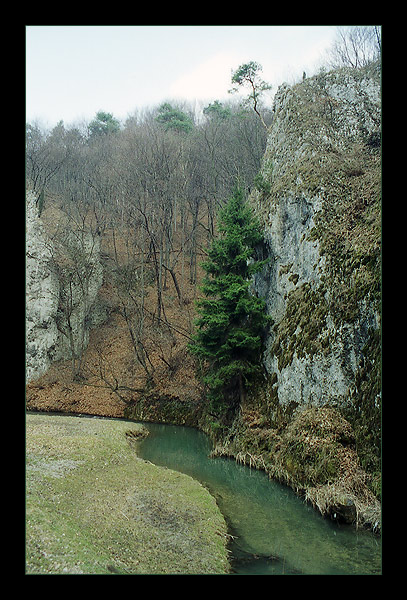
x,y
148,194
356,46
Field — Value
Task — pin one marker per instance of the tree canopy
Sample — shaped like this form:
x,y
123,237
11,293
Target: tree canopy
x,y
217,110
174,118
103,124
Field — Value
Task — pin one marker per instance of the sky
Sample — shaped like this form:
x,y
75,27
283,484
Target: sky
x,y
73,71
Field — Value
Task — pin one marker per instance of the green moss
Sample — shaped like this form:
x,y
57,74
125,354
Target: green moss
x,y
284,269
311,463
348,229
303,327
364,409
303,449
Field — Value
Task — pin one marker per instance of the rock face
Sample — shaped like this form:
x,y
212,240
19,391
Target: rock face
x,y
63,277
319,201
42,296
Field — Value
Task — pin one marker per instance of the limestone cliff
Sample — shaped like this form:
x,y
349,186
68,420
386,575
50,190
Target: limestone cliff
x,y
319,199
63,277
42,294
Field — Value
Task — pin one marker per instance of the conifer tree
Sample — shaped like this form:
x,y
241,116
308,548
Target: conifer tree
x,y
231,319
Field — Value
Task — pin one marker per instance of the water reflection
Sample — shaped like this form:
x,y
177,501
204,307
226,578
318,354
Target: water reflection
x,y
275,531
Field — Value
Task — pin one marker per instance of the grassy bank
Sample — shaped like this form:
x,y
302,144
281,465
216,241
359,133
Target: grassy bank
x,y
93,507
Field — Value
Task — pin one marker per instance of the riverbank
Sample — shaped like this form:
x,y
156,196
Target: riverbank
x,y
94,507
313,452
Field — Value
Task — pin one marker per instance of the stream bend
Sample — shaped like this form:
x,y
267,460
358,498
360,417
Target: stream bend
x,y
273,531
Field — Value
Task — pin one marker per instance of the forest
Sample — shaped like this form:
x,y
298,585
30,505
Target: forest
x,y
148,191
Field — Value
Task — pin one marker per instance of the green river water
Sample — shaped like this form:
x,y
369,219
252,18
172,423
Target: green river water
x,y
274,532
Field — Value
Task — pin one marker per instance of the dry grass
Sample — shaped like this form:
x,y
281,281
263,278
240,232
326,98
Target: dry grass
x,y
315,455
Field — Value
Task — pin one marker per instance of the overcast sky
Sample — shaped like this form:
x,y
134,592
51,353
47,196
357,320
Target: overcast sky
x,y
74,71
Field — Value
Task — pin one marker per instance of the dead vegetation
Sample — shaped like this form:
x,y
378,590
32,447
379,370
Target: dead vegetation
x,y
136,351
315,454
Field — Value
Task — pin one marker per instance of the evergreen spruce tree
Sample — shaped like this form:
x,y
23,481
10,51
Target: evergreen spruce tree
x,y
231,319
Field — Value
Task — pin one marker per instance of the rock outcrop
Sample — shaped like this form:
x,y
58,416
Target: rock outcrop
x,y
319,201
63,277
42,295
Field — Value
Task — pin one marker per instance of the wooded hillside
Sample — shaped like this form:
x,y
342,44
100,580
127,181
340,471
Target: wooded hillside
x,y
149,192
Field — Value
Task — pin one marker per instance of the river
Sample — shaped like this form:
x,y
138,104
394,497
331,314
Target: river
x,y
274,531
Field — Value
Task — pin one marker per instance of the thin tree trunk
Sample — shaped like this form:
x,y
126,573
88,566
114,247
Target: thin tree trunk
x,y
242,391
174,278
